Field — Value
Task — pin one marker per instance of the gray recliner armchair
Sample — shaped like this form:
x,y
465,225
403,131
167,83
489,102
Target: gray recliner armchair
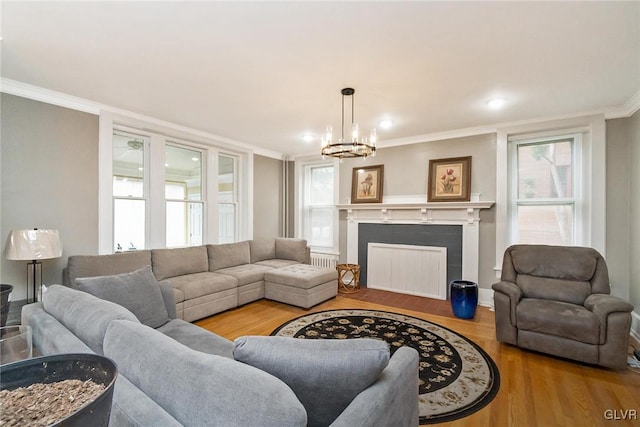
x,y
555,299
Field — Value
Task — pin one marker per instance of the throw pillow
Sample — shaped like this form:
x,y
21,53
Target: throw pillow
x,y
293,249
137,291
325,375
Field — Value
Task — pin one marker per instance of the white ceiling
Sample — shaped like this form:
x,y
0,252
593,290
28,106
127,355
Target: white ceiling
x,y
267,73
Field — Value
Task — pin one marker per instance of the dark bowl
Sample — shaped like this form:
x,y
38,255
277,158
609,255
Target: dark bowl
x,y
60,367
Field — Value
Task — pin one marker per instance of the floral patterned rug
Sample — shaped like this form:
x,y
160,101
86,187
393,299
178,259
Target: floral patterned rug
x,y
457,377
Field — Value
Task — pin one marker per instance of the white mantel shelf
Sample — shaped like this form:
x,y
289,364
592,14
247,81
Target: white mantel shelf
x,y
409,206
419,212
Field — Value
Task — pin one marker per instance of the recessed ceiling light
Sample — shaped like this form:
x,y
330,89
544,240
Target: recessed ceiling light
x,y
385,124
307,138
496,104
195,159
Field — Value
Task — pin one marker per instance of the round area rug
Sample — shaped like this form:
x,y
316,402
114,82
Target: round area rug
x,y
457,377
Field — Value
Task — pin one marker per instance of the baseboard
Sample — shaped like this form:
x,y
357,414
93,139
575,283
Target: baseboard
x,y
635,325
485,298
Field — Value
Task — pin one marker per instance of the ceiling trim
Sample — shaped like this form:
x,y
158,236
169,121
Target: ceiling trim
x,y
36,93
14,87
627,110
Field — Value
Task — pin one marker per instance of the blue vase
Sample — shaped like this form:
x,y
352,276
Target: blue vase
x,y
464,298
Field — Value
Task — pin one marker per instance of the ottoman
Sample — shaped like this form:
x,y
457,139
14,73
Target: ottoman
x,y
301,285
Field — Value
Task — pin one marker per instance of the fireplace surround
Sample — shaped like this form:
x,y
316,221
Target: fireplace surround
x,y
464,215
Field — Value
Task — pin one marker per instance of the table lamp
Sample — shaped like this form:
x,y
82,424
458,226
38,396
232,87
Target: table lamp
x,y
34,245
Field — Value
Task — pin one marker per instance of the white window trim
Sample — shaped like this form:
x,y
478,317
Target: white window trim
x,y
580,205
110,121
301,185
593,173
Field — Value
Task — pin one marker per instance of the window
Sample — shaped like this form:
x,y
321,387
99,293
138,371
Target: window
x,y
543,197
130,191
319,206
227,199
184,196
135,207
159,187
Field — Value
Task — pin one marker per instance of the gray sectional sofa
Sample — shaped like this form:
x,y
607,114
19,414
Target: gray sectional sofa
x,y
210,279
174,373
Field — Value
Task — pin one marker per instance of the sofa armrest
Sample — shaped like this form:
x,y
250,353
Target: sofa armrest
x,y
48,334
168,297
392,400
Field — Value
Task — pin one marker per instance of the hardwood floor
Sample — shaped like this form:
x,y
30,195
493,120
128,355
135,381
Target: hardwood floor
x,y
535,390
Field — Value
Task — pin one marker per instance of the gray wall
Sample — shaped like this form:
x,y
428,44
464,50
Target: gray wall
x,y
618,194
634,211
49,180
405,174
267,197
623,206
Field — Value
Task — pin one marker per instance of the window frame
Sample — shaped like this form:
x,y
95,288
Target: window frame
x,y
203,185
235,193
161,132
303,212
593,175
576,185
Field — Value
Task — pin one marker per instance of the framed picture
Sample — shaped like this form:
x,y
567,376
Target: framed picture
x,y
366,184
449,180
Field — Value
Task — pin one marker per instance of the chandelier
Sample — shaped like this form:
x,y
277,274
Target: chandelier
x,y
356,146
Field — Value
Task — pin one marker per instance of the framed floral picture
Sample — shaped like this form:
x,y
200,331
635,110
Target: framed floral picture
x,y
449,180
366,184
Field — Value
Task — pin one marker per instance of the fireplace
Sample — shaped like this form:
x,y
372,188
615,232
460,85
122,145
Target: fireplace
x,y
444,236
450,225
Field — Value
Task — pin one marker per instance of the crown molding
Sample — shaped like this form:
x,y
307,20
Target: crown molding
x,y
627,110
14,87
36,93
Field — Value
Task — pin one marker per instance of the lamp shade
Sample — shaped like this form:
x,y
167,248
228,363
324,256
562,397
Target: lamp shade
x,y
33,244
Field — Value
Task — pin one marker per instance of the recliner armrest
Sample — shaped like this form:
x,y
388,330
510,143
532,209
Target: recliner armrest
x,y
602,305
510,289
513,292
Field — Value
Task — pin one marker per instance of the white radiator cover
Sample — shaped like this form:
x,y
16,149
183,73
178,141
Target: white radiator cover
x,y
324,260
408,269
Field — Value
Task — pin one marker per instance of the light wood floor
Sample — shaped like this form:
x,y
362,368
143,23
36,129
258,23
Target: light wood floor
x,y
535,390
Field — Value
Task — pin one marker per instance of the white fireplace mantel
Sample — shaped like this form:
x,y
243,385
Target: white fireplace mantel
x,y
449,212
466,214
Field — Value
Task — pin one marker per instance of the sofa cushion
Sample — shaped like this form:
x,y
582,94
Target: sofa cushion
x,y
104,265
326,375
560,319
276,263
179,261
200,284
246,273
196,388
303,276
262,249
228,255
293,249
137,291
85,315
